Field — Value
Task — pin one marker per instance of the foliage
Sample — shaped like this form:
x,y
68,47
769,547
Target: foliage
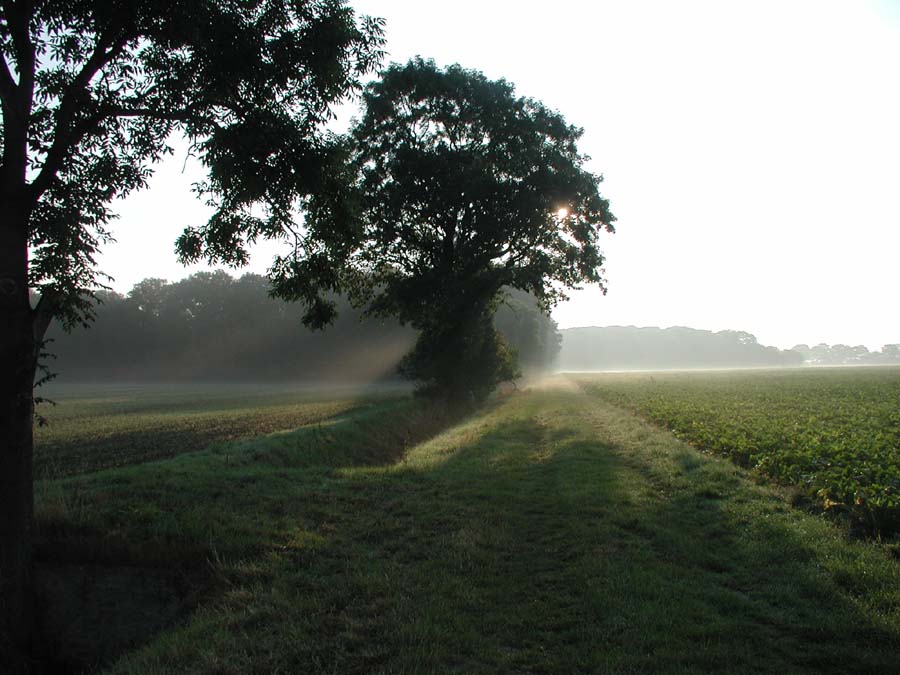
x,y
836,434
211,326
91,91
103,86
463,358
460,187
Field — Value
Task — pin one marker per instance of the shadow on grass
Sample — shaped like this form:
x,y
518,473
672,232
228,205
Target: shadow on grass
x,y
122,553
539,550
608,566
516,541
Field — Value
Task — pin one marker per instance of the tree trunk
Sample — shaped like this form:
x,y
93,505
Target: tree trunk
x,y
18,360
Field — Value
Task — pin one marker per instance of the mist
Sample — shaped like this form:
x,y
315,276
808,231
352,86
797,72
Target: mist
x,y
629,348
212,327
625,348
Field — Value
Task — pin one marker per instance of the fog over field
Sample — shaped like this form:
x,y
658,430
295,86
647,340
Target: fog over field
x,y
749,152
213,327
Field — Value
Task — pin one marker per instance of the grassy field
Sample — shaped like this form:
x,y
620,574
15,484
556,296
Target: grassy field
x,y
833,433
551,532
98,426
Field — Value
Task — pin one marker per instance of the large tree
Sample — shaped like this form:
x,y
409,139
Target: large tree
x,y
463,189
91,91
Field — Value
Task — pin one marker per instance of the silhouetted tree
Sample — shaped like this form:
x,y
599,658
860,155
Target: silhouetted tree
x,y
461,188
91,91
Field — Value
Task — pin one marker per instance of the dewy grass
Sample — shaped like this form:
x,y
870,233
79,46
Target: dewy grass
x,y
550,532
121,426
834,434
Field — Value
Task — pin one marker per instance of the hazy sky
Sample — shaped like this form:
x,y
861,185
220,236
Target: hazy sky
x,y
751,152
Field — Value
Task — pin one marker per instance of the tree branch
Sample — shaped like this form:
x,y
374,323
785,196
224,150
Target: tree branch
x,y
7,83
175,116
18,18
17,97
64,136
43,314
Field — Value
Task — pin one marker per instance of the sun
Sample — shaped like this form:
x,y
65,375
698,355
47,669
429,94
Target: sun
x,y
562,213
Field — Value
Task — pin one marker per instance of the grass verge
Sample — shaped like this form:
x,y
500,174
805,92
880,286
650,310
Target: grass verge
x,y
549,533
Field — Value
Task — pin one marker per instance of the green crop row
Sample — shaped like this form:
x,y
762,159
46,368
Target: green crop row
x,y
94,427
833,432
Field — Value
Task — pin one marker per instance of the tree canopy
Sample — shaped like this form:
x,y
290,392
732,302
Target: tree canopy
x,y
91,92
463,189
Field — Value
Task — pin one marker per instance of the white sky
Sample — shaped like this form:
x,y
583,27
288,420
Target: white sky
x,y
751,152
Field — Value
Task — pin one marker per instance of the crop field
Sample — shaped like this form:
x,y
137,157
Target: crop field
x,y
549,531
93,427
834,433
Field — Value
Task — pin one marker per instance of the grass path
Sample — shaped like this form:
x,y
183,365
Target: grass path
x,y
551,533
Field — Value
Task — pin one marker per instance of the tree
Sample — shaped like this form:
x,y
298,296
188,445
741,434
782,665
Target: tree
x,y
91,90
532,333
463,189
210,326
891,353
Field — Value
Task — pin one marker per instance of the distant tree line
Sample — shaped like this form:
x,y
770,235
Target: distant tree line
x,y
214,326
631,348
844,355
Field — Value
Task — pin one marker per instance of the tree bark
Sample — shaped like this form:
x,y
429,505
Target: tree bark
x,y
18,361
